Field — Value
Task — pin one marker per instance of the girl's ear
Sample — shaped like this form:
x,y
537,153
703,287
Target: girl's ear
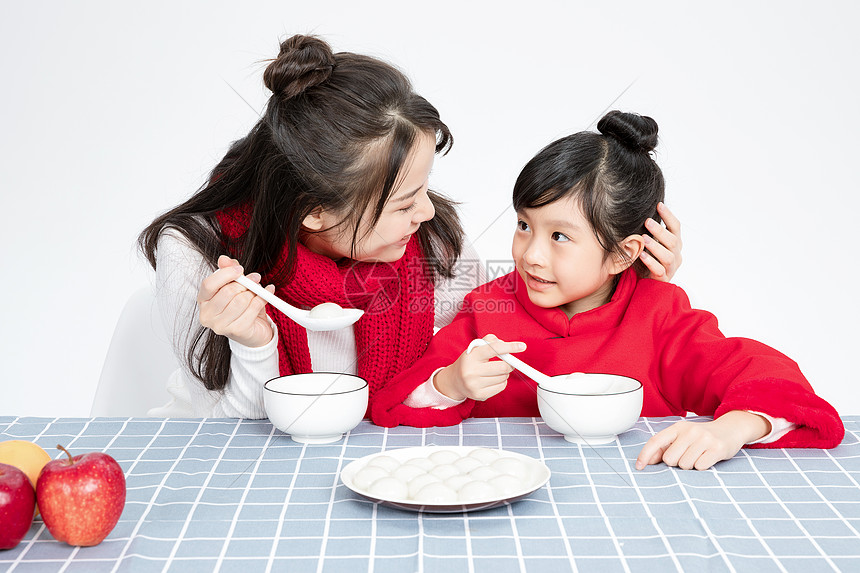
x,y
632,247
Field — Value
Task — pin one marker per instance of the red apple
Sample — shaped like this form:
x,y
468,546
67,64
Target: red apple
x,y
17,506
81,498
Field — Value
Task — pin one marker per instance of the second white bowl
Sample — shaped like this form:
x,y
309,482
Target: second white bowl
x,y
590,408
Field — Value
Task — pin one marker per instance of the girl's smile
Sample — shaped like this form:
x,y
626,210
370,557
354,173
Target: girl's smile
x,y
536,283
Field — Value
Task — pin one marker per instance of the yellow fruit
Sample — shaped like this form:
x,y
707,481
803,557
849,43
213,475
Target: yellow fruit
x,y
28,457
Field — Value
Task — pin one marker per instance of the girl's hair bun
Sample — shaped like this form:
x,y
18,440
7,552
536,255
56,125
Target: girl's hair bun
x,y
303,62
635,132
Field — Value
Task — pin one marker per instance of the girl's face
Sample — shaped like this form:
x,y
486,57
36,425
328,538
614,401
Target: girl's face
x,y
408,207
560,260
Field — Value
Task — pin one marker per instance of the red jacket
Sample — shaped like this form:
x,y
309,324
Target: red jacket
x,y
647,331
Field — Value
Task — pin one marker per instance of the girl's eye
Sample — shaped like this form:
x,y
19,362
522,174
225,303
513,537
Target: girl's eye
x,y
560,237
522,226
409,208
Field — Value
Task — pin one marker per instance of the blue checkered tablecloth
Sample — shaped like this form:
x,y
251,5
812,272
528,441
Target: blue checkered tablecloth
x,y
238,495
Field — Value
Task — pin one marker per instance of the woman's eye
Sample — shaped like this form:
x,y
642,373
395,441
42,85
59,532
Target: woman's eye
x,y
522,226
409,208
556,236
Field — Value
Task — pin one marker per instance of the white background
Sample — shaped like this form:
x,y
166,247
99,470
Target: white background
x,y
113,112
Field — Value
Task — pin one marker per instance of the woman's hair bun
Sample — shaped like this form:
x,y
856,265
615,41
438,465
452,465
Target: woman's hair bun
x,y
635,132
303,62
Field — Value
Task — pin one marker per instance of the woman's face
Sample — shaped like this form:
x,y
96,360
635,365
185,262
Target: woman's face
x,y
407,207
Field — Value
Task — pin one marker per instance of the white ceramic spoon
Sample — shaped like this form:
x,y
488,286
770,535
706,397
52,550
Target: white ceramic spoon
x,y
532,373
585,384
346,316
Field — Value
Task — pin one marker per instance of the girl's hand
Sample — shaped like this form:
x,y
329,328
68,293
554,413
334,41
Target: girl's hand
x,y
231,310
474,375
662,254
700,445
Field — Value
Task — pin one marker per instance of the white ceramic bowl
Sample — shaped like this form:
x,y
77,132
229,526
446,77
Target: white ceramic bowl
x,y
590,408
317,407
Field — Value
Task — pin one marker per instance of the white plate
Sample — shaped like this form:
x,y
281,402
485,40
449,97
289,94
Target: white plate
x,y
538,476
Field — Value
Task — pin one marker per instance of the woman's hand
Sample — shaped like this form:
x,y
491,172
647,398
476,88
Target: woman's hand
x,y
662,254
474,375
231,310
700,445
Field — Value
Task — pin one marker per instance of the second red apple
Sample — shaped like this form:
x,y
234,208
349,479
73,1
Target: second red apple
x,y
82,497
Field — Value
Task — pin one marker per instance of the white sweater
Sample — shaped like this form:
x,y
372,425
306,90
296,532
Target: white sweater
x,y
179,271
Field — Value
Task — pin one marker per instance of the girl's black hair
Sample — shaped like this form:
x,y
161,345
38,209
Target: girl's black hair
x,y
611,174
335,134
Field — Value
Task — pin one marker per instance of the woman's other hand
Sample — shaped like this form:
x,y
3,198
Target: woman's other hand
x,y
474,375
231,310
662,254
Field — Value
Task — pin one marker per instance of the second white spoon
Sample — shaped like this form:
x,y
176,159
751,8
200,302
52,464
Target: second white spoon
x,y
585,383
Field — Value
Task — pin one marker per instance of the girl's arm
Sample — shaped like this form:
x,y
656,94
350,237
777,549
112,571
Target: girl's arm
x,y
448,295
180,271
389,405
731,379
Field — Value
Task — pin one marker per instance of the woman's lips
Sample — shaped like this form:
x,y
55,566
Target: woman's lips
x,y
538,284
402,242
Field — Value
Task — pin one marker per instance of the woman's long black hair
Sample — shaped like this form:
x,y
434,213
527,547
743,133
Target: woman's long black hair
x,y
335,134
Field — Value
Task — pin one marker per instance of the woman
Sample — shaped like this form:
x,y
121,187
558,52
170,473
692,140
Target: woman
x,y
326,199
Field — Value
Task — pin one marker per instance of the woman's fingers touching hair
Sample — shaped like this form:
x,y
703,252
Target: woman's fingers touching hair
x,y
663,248
656,257
671,221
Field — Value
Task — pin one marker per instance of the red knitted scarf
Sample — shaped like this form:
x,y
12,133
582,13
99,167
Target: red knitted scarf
x,y
397,299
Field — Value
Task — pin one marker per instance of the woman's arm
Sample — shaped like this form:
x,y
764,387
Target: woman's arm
x,y
180,271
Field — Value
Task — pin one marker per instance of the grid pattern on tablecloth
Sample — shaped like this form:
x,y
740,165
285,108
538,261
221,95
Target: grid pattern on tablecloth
x,y
189,507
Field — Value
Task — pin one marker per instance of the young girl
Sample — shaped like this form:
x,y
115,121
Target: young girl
x,y
578,302
326,199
